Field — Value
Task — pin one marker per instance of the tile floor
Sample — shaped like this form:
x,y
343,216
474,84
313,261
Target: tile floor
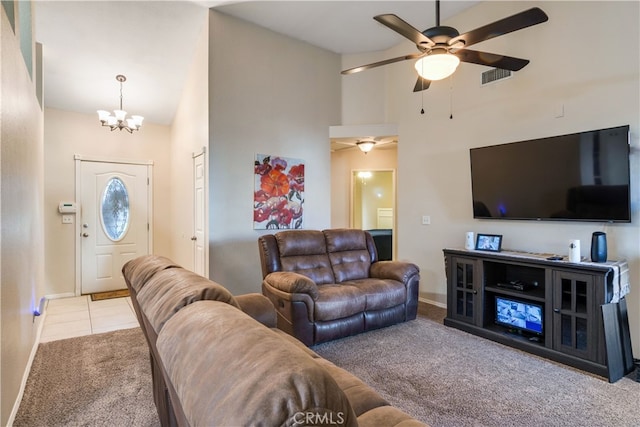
x,y
77,316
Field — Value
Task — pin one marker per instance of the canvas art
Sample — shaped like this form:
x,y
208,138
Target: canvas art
x,y
278,198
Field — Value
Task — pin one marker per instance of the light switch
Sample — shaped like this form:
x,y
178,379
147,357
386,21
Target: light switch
x,y
426,220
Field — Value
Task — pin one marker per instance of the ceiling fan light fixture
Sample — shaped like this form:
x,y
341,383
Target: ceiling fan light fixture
x,y
437,65
365,146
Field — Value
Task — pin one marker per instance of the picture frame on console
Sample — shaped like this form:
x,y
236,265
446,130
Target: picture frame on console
x,y
489,242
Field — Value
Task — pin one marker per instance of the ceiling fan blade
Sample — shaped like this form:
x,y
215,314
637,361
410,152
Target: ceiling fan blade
x,y
404,29
380,63
504,26
421,84
491,59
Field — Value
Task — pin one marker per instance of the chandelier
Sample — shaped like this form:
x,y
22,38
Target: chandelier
x,y
119,120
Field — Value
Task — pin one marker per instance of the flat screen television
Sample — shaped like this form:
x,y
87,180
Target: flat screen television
x,y
519,315
578,177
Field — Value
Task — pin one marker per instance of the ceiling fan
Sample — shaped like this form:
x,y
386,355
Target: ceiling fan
x,y
442,48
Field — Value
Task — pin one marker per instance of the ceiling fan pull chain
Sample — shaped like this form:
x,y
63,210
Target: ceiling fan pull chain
x,y
451,99
422,96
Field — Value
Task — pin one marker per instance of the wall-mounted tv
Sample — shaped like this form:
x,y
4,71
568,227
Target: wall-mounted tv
x,y
520,315
578,177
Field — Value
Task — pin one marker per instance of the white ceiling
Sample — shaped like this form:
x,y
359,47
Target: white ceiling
x,y
87,43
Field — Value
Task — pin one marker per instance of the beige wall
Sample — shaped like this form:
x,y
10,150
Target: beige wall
x,y
596,90
67,134
269,94
22,257
189,135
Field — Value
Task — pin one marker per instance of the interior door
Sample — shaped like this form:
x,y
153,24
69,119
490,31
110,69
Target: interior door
x,y
114,222
199,213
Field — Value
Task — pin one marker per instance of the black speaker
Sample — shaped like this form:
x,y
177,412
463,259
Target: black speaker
x,y
599,247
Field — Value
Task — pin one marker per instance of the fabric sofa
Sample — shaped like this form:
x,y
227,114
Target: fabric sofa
x,y
217,359
330,284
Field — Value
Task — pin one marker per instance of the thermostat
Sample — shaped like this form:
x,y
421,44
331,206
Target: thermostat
x,y
67,207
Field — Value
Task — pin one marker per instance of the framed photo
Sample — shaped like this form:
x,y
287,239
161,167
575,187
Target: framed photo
x,y
489,242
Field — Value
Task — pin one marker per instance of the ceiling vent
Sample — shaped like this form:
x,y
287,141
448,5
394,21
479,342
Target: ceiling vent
x,y
494,75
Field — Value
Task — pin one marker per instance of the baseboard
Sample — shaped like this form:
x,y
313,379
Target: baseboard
x,y
25,376
436,303
58,296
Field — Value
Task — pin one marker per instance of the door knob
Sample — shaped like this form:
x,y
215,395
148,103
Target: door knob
x,y
85,234
194,238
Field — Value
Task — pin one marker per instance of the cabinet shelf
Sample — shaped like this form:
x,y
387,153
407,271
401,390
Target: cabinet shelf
x,y
571,297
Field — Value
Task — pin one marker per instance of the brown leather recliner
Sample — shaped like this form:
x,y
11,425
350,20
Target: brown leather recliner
x,y
329,284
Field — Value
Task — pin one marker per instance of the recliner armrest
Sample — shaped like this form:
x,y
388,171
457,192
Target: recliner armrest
x,y
258,307
293,283
396,270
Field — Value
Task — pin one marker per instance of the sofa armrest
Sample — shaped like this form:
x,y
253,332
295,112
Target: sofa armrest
x,y
396,270
292,283
258,307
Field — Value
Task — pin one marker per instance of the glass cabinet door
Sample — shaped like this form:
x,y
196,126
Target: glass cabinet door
x,y
464,290
572,307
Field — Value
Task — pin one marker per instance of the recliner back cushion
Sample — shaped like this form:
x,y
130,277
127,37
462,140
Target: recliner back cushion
x,y
350,258
305,252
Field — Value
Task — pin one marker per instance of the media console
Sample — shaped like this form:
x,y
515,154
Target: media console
x,y
573,313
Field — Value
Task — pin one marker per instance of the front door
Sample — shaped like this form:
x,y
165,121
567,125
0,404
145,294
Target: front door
x,y
114,221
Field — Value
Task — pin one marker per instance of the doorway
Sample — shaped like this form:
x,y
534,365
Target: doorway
x,y
373,207
114,221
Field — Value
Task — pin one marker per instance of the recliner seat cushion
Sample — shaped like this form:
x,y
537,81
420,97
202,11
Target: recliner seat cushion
x,y
338,301
380,293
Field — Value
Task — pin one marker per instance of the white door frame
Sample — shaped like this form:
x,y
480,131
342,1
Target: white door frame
x,y
205,162
79,158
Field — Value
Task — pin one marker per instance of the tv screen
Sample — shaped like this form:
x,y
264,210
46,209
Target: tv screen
x,y
580,177
523,316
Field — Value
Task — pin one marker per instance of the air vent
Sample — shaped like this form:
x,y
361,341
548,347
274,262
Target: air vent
x,y
495,74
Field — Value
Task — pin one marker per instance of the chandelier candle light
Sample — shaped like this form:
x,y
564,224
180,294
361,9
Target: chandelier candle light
x,y
118,121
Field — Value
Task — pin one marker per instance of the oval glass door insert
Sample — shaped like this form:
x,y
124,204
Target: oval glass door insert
x,y
114,209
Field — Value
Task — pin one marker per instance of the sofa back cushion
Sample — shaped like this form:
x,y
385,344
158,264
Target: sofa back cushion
x,y
349,253
169,291
139,270
305,252
227,369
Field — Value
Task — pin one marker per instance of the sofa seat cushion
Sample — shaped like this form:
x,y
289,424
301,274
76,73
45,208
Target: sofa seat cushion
x,y
380,293
244,373
168,291
338,301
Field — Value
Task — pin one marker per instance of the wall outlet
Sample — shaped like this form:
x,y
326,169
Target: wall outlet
x,y
426,220
67,219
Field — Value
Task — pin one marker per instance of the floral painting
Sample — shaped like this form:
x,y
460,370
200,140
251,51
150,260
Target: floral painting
x,y
278,198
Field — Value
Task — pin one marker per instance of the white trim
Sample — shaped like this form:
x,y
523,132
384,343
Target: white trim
x,y
27,370
101,159
79,158
436,303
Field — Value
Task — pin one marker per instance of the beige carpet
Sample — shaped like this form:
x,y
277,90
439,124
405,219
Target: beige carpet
x,y
439,375
95,380
446,377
